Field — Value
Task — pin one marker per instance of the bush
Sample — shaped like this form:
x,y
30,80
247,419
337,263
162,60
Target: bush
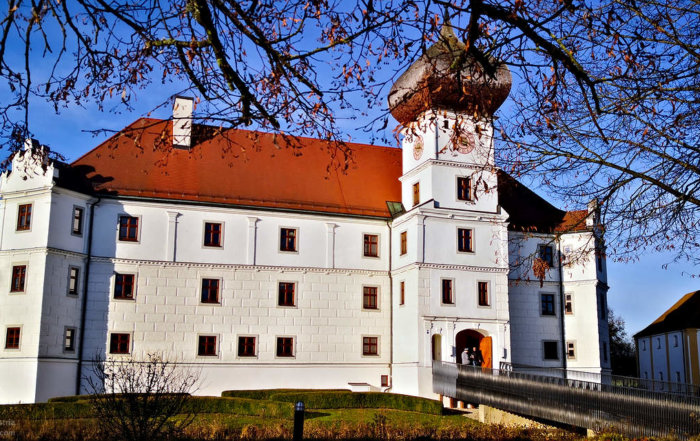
x,y
47,411
360,400
264,394
242,406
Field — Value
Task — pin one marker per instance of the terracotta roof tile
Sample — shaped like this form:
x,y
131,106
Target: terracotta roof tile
x,y
241,167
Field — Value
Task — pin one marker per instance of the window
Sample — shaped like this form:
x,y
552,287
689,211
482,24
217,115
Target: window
x,y
464,240
288,239
658,343
483,288
447,294
212,234
128,228
12,338
570,350
286,294
69,340
551,350
547,301
370,346
124,286
464,189
371,243
546,253
404,242
402,293
246,346
675,341
24,217
285,347
569,304
73,274
416,193
210,290
19,274
119,343
385,380
369,297
77,227
207,346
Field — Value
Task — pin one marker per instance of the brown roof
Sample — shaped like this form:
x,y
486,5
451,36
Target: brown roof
x,y
240,167
530,213
246,168
684,314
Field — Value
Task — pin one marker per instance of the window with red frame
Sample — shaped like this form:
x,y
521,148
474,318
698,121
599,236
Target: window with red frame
x,y
285,347
212,234
246,346
464,240
416,193
286,294
464,189
369,297
19,275
119,343
207,346
371,245
24,217
370,345
128,228
402,299
404,242
447,292
288,239
124,286
12,338
210,290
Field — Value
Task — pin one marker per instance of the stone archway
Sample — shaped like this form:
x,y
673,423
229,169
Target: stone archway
x,y
470,338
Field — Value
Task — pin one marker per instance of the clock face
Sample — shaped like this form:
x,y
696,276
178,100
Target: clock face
x,y
418,148
465,143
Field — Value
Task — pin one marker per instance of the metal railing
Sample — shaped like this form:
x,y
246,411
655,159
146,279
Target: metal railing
x,y
605,378
573,401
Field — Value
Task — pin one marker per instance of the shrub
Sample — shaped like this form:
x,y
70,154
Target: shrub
x,y
241,406
264,394
362,400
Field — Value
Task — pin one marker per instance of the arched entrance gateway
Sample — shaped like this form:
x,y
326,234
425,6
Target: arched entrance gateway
x,y
470,338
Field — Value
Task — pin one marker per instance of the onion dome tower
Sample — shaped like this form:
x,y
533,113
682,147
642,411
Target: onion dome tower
x,y
447,77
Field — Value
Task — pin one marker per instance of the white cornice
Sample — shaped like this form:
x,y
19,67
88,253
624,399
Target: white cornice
x,y
450,267
441,162
237,267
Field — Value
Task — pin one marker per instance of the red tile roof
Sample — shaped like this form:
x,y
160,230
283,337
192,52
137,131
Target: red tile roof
x,y
240,167
246,168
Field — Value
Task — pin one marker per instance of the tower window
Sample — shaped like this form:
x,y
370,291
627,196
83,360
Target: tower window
x,y
464,240
447,292
404,242
483,288
464,189
19,274
24,217
402,298
416,194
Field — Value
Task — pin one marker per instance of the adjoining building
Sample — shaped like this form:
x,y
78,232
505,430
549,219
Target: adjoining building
x,y
669,348
265,263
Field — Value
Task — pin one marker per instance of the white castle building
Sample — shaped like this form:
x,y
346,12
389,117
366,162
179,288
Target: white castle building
x,y
266,265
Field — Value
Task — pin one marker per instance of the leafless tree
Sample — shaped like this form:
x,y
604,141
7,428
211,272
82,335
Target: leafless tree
x,y
139,400
606,107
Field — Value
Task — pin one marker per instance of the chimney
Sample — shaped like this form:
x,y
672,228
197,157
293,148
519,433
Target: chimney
x,y
182,122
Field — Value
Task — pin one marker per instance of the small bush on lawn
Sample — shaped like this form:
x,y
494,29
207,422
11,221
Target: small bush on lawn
x,y
241,406
361,400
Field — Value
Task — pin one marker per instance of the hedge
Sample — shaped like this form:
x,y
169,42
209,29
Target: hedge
x,y
264,394
369,400
79,407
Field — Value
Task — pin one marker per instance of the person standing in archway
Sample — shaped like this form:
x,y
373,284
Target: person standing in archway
x,y
465,356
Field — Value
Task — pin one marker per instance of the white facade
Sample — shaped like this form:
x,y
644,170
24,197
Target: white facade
x,y
492,302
